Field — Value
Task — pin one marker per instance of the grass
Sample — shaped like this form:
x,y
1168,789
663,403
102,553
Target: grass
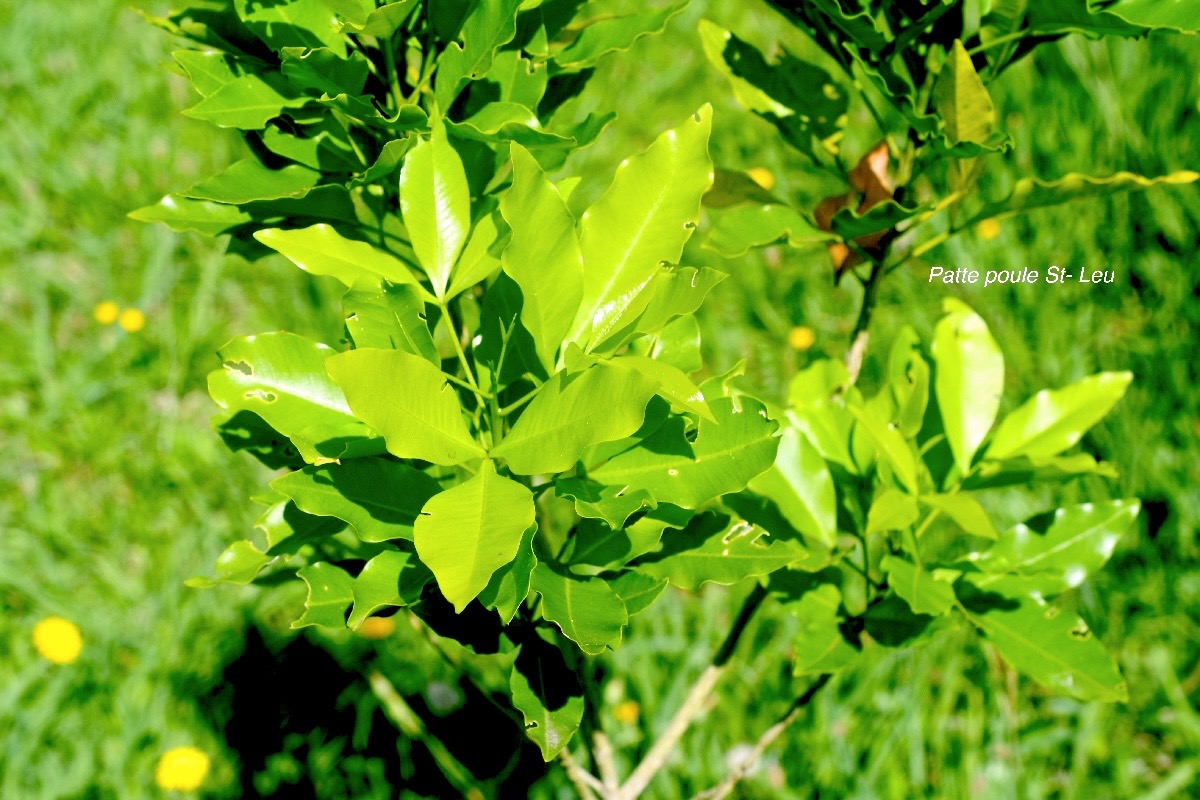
x,y
113,489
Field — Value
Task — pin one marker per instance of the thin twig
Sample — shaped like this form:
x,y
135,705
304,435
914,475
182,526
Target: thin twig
x,y
726,786
583,780
606,764
861,335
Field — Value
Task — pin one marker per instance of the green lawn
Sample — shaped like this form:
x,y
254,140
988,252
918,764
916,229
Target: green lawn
x,y
113,489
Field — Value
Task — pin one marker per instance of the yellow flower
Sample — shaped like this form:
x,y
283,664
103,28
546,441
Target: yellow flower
x,y
988,229
627,712
181,769
57,640
377,627
762,176
132,320
801,338
106,312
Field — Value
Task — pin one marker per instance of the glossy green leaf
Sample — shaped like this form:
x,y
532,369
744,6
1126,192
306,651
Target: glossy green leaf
x,y
501,122
391,316
969,379
820,646
1032,193
892,510
469,531
321,71
1053,420
648,308
891,446
586,610
1176,15
477,262
818,396
208,70
613,504
291,23
239,564
392,578
288,529
609,34
321,250
1059,550
925,592
248,102
962,99
509,585
1049,644
281,378
201,216
643,219
247,180
597,546
738,230
673,385
380,499
909,381
637,591
435,202
573,412
1021,470
491,24
547,693
799,483
543,255
965,511
383,21
330,593
409,401
724,457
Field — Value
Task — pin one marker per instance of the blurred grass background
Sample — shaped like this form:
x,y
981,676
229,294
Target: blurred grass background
x,y
113,489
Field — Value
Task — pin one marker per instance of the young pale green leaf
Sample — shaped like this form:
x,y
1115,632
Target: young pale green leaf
x,y
1053,420
909,382
963,101
800,485
330,593
643,219
1049,644
818,396
724,457
543,255
468,532
409,401
892,510
668,294
891,446
281,378
1032,193
380,499
969,380
497,123
321,250
392,578
476,262
1058,551
239,564
435,201
613,504
389,317
608,34
288,529
547,693
573,412
491,24
738,230
509,585
674,385
384,21
718,548
201,216
925,592
820,646
247,180
1022,470
965,511
586,610
248,102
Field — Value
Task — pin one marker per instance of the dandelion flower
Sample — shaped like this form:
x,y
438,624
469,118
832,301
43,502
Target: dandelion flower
x,y
762,176
132,320
988,229
801,338
377,627
181,769
627,712
106,313
57,640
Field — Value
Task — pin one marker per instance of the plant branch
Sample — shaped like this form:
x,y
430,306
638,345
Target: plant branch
x,y
693,704
726,786
583,780
861,334
606,763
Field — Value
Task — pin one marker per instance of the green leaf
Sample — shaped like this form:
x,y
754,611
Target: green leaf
x,y
1051,645
547,693
392,578
965,511
738,230
909,382
247,180
281,378
673,385
609,34
613,504
718,548
969,379
383,21
1032,193
435,202
380,499
543,255
646,309
892,510
1053,420
597,546
925,592
1015,471
288,529
477,262
573,412
239,564
291,23
724,457
1181,15
799,483
643,219
892,447
330,593
409,401
247,102
183,215
323,72
491,24
586,610
501,122
963,100
389,317
818,396
509,585
321,250
468,532
637,591
1059,550
820,646
207,70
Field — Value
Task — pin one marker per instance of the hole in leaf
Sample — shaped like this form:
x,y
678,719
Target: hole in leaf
x,y
259,394
240,366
